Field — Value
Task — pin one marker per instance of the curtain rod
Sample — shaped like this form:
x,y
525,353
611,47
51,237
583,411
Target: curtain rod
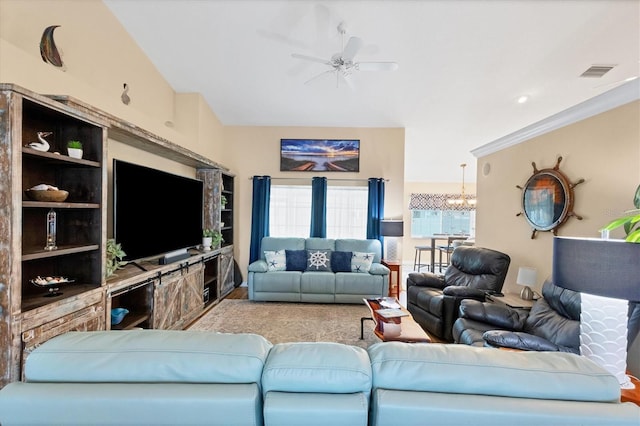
x,y
302,178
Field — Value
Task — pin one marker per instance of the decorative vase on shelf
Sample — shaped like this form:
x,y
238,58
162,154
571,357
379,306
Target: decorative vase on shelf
x,y
206,243
74,149
74,152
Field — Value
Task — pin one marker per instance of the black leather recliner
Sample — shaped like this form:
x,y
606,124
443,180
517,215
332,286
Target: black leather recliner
x,y
434,300
552,324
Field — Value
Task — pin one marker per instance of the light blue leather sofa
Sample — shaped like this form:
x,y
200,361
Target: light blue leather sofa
x,y
444,384
317,287
165,377
316,383
150,377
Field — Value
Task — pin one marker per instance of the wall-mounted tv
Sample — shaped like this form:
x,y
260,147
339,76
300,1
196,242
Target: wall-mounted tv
x,y
325,155
154,212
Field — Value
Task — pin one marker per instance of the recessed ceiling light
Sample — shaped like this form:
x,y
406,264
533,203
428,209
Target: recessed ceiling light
x,y
522,99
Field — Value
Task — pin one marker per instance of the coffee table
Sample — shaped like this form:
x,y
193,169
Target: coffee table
x,y
410,330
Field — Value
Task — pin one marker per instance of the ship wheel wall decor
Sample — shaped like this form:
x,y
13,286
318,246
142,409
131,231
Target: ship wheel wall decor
x,y
547,199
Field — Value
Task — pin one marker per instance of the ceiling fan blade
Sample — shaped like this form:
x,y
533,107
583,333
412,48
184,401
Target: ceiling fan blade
x,y
376,66
311,58
353,46
319,75
347,79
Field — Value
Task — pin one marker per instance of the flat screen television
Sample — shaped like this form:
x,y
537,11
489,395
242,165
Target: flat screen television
x,y
154,212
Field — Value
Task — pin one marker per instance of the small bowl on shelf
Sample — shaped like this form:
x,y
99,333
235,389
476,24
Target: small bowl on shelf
x,y
52,284
48,195
117,315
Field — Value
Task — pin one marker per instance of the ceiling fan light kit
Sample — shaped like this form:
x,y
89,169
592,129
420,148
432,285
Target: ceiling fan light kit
x,y
343,63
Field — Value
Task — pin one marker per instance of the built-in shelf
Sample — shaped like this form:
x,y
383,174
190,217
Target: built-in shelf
x,y
33,253
57,205
59,158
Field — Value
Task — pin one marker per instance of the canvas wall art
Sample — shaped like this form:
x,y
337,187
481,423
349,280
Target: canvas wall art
x,y
324,155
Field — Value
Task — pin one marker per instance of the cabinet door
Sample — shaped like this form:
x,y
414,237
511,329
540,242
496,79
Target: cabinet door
x,y
192,288
226,278
178,297
167,301
90,318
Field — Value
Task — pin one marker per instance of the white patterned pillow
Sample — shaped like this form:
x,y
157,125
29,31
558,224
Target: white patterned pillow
x,y
361,262
276,260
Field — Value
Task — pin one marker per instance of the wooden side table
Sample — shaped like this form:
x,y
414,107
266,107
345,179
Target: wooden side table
x,y
512,300
631,395
394,277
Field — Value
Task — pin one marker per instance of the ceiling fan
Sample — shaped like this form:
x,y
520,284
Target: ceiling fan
x,y
343,63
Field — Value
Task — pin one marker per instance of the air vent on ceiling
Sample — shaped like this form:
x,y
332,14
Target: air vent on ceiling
x,y
597,71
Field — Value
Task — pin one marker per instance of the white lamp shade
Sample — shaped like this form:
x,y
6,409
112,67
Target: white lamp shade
x,y
527,276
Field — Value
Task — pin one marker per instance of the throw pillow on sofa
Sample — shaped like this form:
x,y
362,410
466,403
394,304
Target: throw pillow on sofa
x,y
341,261
319,260
276,260
361,262
296,260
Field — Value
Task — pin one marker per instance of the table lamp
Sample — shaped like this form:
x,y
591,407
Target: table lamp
x,y
527,277
607,274
392,229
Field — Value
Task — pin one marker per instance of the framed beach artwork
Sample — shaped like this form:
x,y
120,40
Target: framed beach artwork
x,y
320,155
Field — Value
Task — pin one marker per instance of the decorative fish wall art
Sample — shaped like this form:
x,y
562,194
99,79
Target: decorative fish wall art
x,y
48,49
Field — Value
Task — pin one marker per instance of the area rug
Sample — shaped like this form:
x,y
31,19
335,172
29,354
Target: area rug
x,y
290,322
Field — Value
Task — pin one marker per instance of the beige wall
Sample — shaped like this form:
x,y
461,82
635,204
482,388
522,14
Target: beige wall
x,y
100,57
256,151
604,150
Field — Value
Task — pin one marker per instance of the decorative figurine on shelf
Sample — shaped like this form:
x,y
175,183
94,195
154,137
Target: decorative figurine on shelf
x,y
43,145
51,231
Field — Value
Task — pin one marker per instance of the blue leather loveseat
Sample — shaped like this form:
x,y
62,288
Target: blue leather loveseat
x,y
312,281
165,377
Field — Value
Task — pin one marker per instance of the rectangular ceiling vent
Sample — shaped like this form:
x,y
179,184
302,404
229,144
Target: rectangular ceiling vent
x,y
597,71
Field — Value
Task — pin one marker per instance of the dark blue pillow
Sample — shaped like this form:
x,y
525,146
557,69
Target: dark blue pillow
x,y
341,261
319,260
296,260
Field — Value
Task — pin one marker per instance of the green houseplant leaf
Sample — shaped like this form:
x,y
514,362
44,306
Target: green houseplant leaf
x,y
114,257
630,222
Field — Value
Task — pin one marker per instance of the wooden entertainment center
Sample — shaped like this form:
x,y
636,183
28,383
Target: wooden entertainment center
x,y
157,296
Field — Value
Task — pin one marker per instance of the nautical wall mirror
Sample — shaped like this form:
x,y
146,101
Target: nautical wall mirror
x,y
547,199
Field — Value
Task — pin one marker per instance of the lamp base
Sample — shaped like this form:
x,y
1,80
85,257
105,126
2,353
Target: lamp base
x,y
526,293
392,248
603,334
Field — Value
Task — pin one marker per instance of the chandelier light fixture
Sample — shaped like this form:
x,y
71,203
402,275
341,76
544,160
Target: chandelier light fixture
x,y
463,200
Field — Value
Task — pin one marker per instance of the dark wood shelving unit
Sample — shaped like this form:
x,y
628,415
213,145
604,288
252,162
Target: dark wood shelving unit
x,y
29,316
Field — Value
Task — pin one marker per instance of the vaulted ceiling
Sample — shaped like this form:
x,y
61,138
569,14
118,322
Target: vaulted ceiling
x,y
462,64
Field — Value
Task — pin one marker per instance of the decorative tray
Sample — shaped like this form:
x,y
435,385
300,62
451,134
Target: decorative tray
x,y
50,281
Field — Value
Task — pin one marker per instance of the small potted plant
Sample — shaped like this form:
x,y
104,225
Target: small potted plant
x,y
217,239
211,239
223,201
74,148
207,238
114,257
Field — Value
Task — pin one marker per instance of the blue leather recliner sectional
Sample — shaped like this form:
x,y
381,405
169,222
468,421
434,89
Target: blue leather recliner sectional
x,y
308,284
165,377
